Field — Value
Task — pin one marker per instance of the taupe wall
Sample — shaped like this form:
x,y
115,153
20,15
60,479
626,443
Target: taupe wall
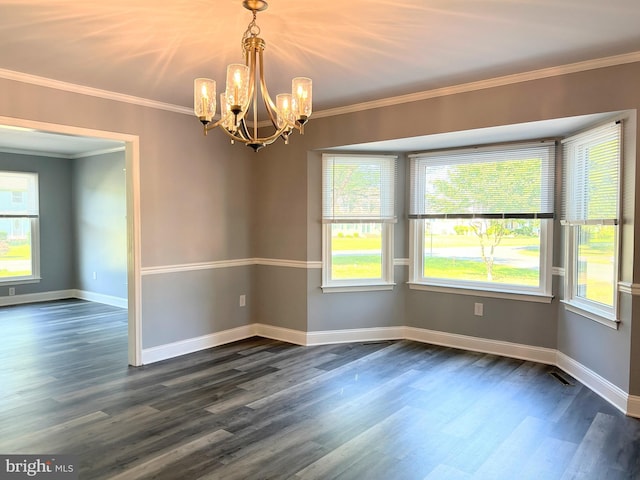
x,y
194,196
191,304
281,200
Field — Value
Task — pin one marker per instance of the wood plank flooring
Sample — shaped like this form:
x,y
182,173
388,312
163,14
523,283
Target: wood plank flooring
x,y
263,409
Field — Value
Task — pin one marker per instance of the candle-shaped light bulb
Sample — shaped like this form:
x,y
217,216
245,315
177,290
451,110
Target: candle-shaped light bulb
x,y
204,99
301,90
237,86
285,114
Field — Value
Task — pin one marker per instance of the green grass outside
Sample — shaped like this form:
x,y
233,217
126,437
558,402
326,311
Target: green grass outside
x,y
601,292
19,252
356,266
476,271
369,266
16,252
6,273
373,242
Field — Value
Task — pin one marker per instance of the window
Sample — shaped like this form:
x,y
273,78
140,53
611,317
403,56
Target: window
x,y
590,212
19,239
481,219
358,212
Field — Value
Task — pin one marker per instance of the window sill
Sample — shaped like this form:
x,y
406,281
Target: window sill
x,y
504,294
603,319
25,281
357,288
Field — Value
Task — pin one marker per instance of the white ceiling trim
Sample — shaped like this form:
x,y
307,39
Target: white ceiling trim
x,y
95,153
67,129
35,153
424,95
489,83
40,153
93,92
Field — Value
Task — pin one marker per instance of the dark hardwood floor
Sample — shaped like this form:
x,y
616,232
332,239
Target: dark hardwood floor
x,y
263,409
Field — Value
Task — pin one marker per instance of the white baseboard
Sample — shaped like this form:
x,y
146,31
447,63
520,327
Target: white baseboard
x,y
633,406
279,333
100,298
61,295
328,337
600,385
171,350
475,344
36,297
627,404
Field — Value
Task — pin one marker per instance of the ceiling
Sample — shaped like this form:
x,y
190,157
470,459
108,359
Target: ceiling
x,y
355,51
27,140
543,130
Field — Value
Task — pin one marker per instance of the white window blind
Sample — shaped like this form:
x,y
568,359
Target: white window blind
x,y
358,188
18,195
591,173
505,181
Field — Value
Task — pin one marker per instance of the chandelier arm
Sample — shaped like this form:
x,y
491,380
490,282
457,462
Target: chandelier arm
x,y
266,98
252,81
255,97
211,126
235,136
272,138
243,131
243,137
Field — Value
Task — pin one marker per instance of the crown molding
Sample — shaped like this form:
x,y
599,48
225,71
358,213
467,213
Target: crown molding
x,y
357,107
34,153
90,91
484,84
40,153
95,153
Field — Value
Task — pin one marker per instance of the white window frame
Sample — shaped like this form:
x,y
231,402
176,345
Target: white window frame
x,y
418,281
590,309
386,282
33,215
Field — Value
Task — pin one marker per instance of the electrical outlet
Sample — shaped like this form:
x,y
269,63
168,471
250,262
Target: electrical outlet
x,y
243,300
95,275
12,291
478,309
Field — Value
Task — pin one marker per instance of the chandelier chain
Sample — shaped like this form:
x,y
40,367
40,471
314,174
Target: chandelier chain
x,y
253,30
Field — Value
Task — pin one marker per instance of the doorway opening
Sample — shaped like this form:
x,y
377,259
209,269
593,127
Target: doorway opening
x,y
92,140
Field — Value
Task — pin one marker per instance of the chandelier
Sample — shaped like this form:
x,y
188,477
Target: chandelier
x,y
245,83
